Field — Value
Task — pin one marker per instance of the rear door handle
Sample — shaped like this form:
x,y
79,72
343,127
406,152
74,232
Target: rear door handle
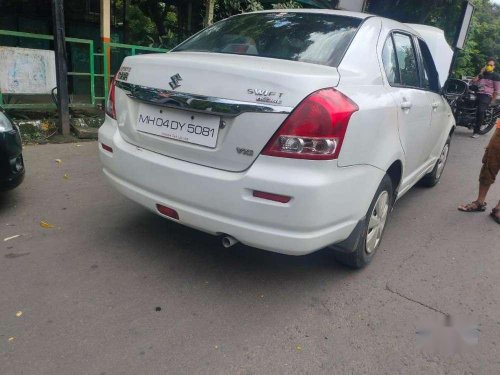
x,y
435,105
406,104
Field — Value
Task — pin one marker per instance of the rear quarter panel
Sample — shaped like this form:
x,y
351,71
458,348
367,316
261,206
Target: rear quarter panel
x,y
372,136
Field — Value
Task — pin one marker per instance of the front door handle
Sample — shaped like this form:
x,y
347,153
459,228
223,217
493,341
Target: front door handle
x,y
406,105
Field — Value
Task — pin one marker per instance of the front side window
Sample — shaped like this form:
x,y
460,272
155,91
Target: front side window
x,y
407,60
307,37
430,80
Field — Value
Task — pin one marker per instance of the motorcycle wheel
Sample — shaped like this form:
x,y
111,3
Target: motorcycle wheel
x,y
486,126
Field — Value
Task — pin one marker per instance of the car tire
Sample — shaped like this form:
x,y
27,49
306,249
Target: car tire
x,y
431,179
371,234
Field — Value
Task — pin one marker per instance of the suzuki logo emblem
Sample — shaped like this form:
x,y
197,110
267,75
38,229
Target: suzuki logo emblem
x,y
174,81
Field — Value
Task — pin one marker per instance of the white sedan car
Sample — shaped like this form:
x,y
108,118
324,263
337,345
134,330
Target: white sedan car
x,y
288,131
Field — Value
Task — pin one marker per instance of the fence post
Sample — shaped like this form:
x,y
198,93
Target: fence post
x,y
105,46
92,72
106,39
61,67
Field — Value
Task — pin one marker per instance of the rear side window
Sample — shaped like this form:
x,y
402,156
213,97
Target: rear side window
x,y
390,62
307,37
407,60
430,79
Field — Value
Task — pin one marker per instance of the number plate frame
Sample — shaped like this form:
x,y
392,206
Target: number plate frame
x,y
190,127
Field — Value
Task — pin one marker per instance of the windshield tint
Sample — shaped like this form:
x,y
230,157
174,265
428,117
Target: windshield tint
x,y
307,37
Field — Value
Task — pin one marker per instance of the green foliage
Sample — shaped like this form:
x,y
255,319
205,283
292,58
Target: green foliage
x,y
228,8
154,22
444,14
150,22
483,40
140,26
291,4
37,131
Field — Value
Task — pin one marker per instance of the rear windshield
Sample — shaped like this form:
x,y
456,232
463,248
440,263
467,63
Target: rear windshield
x,y
307,37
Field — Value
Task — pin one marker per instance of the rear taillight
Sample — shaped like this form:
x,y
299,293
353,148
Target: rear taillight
x,y
315,129
110,103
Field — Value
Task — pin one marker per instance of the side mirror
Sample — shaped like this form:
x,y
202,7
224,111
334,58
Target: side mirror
x,y
454,87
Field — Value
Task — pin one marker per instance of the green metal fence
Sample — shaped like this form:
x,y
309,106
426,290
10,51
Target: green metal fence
x,y
106,73
128,47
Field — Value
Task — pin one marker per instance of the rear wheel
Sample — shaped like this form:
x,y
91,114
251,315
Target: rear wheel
x,y
431,179
373,228
487,125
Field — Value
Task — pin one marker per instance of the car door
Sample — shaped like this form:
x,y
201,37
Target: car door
x,y
439,113
401,65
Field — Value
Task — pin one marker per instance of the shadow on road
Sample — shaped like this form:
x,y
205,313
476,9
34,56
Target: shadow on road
x,y
159,244
7,199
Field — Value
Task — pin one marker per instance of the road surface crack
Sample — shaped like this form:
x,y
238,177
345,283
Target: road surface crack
x,y
388,288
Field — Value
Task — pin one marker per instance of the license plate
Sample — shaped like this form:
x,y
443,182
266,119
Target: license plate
x,y
197,128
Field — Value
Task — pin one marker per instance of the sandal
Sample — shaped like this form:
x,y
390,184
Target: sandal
x,y
495,214
473,207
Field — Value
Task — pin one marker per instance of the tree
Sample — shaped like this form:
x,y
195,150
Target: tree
x,y
443,14
228,8
154,22
156,11
483,40
149,23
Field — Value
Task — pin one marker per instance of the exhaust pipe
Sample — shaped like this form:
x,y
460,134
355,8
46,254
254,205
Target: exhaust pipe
x,y
228,241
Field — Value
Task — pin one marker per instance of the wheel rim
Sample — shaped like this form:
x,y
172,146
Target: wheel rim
x,y
378,218
442,161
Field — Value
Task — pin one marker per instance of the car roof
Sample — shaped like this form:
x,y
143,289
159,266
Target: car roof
x,y
345,13
421,29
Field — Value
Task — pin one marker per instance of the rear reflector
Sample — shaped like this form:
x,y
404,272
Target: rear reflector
x,y
167,211
271,197
106,147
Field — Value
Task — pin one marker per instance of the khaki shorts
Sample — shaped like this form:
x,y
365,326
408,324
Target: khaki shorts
x,y
491,160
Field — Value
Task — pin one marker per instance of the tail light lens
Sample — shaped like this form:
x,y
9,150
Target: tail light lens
x,y
110,103
315,129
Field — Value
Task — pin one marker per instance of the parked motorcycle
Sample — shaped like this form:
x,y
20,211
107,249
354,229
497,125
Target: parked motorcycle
x,y
462,97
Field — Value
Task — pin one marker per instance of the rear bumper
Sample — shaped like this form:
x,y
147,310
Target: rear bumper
x,y
327,201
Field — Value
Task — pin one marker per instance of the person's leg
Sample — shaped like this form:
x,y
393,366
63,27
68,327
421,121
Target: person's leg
x,y
495,213
483,191
483,102
489,171
479,204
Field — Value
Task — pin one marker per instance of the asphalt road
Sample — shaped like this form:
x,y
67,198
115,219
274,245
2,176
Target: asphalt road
x,y
114,289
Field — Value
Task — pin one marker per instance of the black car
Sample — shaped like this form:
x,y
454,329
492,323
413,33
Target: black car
x,y
11,158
